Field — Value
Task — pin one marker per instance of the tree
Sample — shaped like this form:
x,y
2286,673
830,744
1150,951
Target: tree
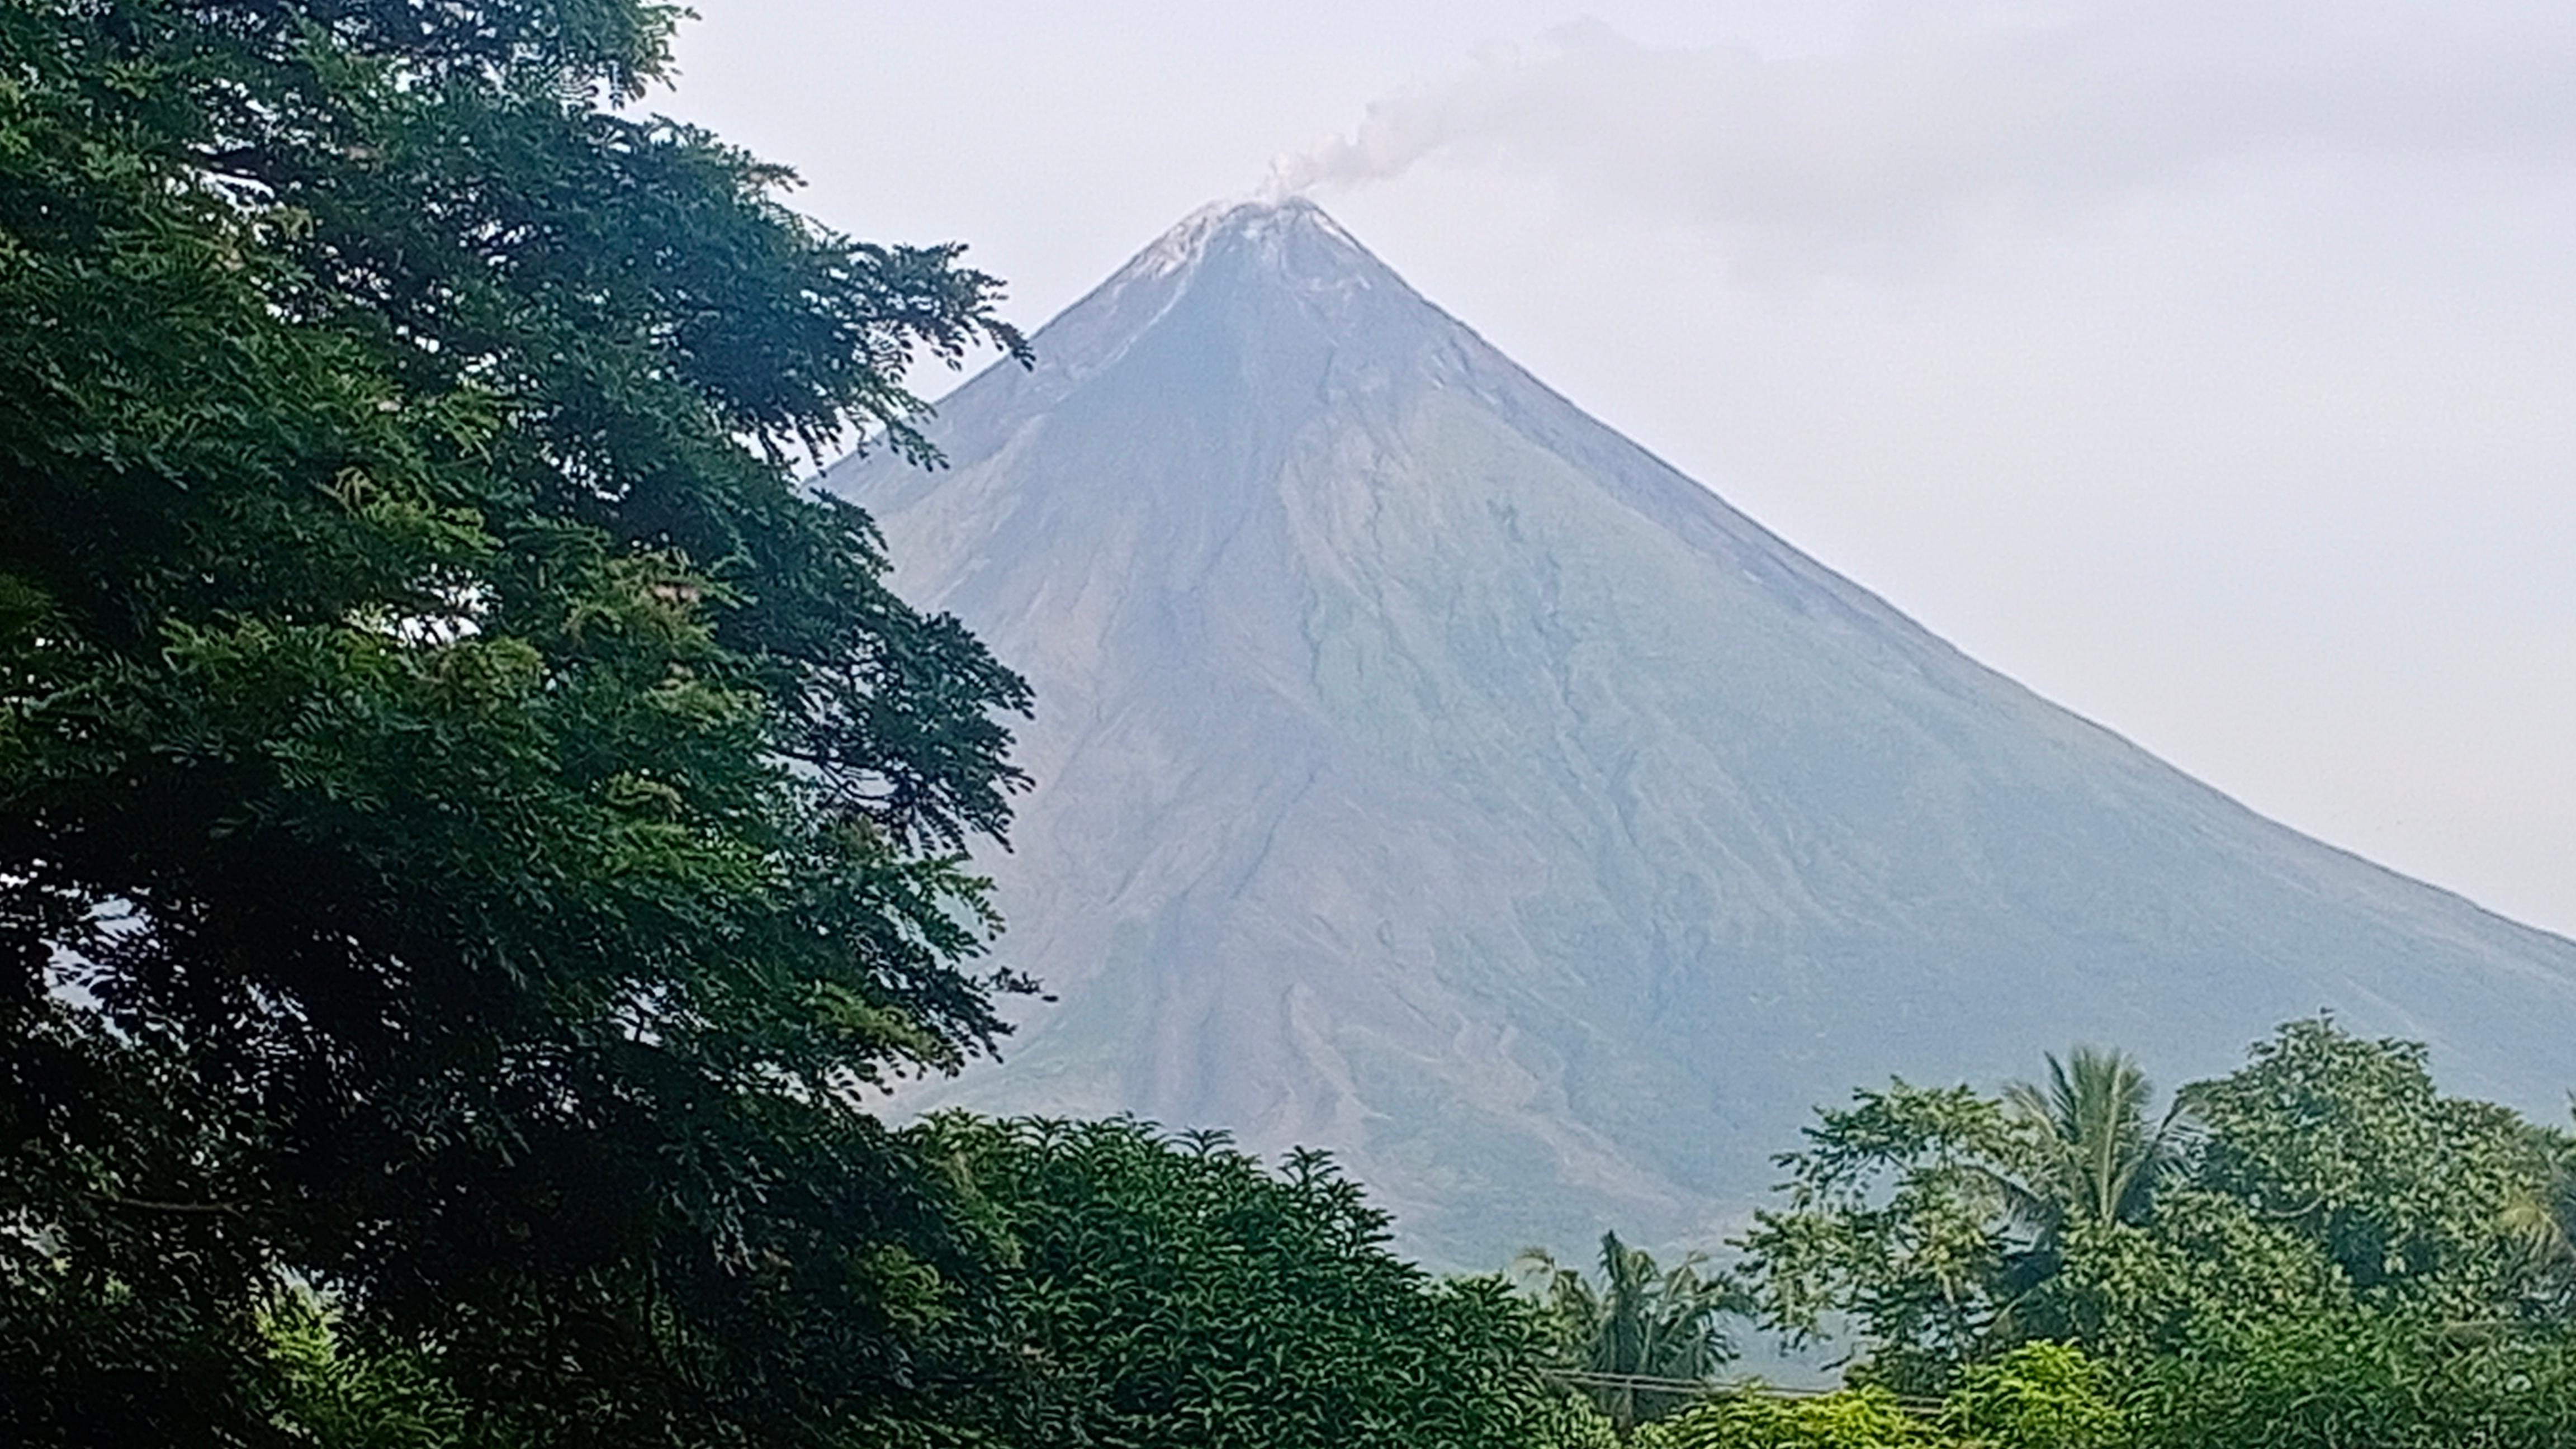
x,y
2086,1161
2035,1396
2129,1291
2540,1221
1175,1294
1897,1225
2348,1142
2330,1181
2097,1157
1640,1322
2355,1379
338,1396
2327,1178
468,823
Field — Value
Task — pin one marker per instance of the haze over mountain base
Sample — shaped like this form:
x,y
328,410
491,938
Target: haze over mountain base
x,y
1427,773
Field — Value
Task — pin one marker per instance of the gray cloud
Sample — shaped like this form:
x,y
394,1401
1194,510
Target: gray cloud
x,y
1932,116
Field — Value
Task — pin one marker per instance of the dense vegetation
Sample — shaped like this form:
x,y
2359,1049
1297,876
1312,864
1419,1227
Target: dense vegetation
x,y
1175,1294
2317,1249
472,830
470,823
1613,1341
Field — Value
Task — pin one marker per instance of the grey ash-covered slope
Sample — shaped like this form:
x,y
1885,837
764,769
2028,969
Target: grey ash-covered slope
x,y
1428,773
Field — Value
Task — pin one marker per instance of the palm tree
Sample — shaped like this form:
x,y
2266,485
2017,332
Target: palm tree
x,y
2095,1156
2092,1155
2540,1219
1639,1323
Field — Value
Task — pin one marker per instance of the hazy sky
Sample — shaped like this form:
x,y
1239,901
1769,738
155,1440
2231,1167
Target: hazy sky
x,y
2207,365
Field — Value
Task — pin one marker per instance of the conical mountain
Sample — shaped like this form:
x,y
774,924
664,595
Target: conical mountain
x,y
1428,773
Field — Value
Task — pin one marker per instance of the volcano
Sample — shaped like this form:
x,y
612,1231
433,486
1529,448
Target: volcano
x,y
1429,774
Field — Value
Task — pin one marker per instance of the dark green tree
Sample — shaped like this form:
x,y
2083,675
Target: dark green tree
x,y
2541,1223
2086,1162
1174,1294
469,823
2348,1142
2355,1379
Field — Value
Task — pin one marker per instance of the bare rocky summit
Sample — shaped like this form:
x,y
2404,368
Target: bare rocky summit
x,y
1428,773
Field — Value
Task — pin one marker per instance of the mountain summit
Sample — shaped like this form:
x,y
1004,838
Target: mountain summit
x,y
1428,773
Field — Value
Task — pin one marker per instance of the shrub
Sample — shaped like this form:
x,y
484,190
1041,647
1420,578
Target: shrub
x,y
1863,1418
2038,1396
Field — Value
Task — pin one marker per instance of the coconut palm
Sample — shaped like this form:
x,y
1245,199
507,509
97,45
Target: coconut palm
x,y
2095,1154
2087,1152
1640,1322
2540,1220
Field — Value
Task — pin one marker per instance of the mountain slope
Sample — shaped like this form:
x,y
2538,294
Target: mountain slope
x,y
1429,773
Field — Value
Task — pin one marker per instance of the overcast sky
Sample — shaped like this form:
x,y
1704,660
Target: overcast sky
x,y
2207,365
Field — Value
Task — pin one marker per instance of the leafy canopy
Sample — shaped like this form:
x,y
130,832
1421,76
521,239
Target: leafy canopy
x,y
467,820
2325,1179
1640,1321
1176,1294
1862,1418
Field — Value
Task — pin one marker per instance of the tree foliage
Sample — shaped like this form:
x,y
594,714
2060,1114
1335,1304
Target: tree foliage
x,y
2348,1142
1862,1418
1896,1220
336,1395
2036,1396
2541,1220
467,820
2330,1251
1173,1294
2357,1379
1640,1321
2098,1155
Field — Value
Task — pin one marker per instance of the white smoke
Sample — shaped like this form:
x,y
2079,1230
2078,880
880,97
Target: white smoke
x,y
1932,114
